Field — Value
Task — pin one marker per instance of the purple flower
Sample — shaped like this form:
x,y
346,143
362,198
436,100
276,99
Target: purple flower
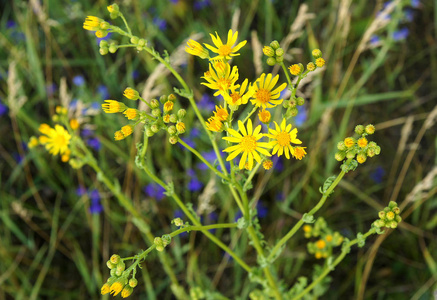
x,y
86,132
154,190
409,15
195,185
78,80
80,191
18,158
195,132
262,210
401,34
178,214
213,216
415,3
135,75
51,89
302,116
10,24
201,4
94,143
95,207
103,91
3,109
378,174
189,142
278,164
160,23
238,215
206,103
374,40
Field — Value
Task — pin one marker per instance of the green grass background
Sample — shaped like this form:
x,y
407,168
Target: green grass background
x,y
52,247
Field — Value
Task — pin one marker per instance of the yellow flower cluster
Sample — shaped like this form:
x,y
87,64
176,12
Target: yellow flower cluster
x,y
327,239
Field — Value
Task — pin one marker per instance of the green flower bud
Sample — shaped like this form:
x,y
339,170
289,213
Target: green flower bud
x,y
381,214
154,128
142,42
134,40
156,112
118,273
103,44
121,266
370,152
372,145
359,129
341,146
279,52
361,157
113,272
163,99
293,102
171,98
103,51
377,150
133,282
110,265
286,104
113,48
300,101
311,66
114,15
379,223
154,103
351,153
271,61
104,25
149,132
316,53
140,48
173,140
279,59
115,259
370,129
172,129
166,239
173,118
178,222
392,224
397,210
127,291
398,219
392,204
275,45
293,111
339,156
181,113
269,51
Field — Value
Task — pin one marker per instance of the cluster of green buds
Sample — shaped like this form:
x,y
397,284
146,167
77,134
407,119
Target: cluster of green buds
x,y
106,47
291,106
274,52
162,242
164,118
114,11
358,147
179,223
139,43
322,248
118,282
389,217
196,293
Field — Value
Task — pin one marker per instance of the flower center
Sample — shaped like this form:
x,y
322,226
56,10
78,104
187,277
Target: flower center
x,y
283,138
235,97
248,143
263,95
224,50
224,84
59,140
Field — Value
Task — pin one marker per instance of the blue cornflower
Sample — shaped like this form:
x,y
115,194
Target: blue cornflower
x,y
206,103
94,143
262,210
80,191
302,116
103,91
415,3
160,23
201,4
95,207
3,109
374,40
51,89
154,190
78,80
194,184
401,34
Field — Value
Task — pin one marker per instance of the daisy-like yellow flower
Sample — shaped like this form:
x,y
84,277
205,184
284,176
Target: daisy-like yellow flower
x,y
267,164
225,51
248,144
92,23
116,287
282,137
264,116
240,97
131,94
221,113
74,124
112,107
56,140
362,142
214,124
299,152
131,113
194,48
221,79
264,94
105,289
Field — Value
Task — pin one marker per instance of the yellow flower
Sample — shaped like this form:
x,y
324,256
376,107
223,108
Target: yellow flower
x,y
329,238
168,106
92,23
282,137
264,116
320,244
131,113
320,62
307,228
225,51
221,113
112,106
33,142
180,127
240,97
299,152
214,124
127,291
267,164
222,80
131,94
56,140
127,130
362,142
264,96
194,48
105,289
295,69
247,143
118,135
74,124
116,288
349,142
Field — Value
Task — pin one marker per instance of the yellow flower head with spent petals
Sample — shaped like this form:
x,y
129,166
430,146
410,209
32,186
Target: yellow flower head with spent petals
x,y
214,124
247,143
92,23
221,79
299,152
55,140
264,95
221,113
240,97
225,51
283,137
194,48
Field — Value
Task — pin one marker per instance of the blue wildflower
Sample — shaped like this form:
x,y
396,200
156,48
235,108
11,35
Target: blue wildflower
x,y
103,91
262,210
206,103
3,109
201,4
374,40
94,143
194,184
154,190
81,190
238,215
401,34
95,207
378,174
160,23
135,75
302,116
415,3
78,80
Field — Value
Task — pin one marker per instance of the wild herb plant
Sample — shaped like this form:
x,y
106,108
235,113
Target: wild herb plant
x,y
251,124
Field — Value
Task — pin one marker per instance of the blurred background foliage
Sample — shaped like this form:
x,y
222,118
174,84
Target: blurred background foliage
x,y
59,225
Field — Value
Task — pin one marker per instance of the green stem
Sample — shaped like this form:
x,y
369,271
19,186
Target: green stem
x,y
312,212
202,159
125,23
147,103
331,267
249,179
286,74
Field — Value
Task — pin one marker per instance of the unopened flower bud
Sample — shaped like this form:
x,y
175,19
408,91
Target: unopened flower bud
x,y
271,61
149,132
293,111
172,130
370,129
181,113
339,156
154,103
154,128
316,53
133,282
279,59
115,259
359,129
113,48
103,51
134,40
142,42
361,157
173,118
267,50
173,140
320,62
172,97
381,214
279,52
275,45
156,112
110,265
311,66
300,101
341,146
